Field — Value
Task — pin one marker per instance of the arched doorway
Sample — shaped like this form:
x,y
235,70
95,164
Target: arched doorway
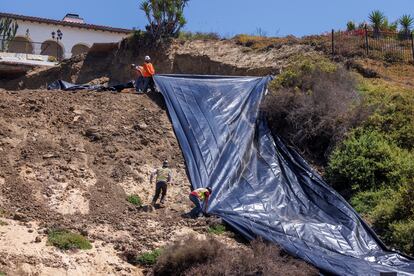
x,y
79,49
21,45
52,48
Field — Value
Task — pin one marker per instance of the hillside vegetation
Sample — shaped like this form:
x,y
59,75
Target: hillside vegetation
x,y
360,131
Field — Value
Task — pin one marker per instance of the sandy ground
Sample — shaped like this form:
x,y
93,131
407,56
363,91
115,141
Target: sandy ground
x,y
70,160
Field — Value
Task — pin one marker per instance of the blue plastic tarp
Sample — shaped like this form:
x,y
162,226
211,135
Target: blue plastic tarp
x,y
261,187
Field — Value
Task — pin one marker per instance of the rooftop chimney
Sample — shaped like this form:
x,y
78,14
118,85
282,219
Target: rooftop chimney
x,y
74,18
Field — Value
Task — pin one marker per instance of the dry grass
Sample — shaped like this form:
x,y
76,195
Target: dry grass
x,y
264,43
210,257
312,104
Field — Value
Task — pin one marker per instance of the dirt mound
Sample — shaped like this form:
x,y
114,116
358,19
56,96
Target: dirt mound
x,y
71,159
222,57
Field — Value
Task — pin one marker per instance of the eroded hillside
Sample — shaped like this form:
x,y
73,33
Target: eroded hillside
x,y
70,160
209,57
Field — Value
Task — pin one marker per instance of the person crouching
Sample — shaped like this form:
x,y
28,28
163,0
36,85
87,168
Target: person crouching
x,y
200,199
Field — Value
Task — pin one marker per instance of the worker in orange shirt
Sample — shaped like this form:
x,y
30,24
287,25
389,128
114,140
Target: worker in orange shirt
x,y
148,72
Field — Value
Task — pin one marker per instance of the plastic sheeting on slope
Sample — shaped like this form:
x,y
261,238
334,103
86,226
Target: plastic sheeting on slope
x,y
67,86
261,187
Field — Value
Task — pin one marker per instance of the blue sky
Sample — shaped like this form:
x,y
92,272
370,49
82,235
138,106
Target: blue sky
x,y
226,17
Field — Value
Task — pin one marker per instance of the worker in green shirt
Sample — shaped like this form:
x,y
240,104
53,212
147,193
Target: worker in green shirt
x,y
162,179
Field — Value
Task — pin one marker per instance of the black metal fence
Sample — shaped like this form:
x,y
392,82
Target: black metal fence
x,y
363,42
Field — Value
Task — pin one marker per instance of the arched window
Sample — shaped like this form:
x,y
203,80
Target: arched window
x,y
21,44
79,49
52,48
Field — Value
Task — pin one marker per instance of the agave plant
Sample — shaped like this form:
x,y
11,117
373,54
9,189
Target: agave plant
x,y
350,26
377,19
406,21
387,26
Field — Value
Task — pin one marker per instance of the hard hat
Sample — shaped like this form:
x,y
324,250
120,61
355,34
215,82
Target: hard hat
x,y
165,163
209,189
147,58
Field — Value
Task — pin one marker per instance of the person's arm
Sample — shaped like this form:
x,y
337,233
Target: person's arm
x,y
169,177
150,69
152,175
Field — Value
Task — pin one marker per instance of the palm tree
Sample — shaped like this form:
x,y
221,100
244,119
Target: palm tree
x,y
406,21
377,19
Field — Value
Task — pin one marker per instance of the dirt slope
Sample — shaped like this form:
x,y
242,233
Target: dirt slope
x,y
70,160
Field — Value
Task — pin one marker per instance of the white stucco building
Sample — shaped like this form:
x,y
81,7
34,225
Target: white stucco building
x,y
59,38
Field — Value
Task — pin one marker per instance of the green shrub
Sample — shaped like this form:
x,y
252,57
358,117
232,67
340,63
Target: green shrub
x,y
2,274
301,71
217,229
3,223
64,239
392,111
365,202
403,235
367,160
135,200
149,258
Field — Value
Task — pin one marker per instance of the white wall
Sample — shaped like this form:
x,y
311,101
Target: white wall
x,y
41,32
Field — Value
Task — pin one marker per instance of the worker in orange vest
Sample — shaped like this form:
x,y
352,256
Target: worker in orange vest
x,y
148,72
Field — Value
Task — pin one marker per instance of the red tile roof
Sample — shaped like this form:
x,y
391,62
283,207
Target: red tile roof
x,y
65,23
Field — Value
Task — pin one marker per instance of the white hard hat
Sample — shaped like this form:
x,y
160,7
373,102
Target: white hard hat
x,y
147,58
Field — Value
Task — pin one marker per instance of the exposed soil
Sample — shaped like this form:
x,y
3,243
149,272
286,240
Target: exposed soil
x,y
70,160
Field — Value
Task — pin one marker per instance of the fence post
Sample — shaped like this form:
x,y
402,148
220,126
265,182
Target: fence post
x,y
412,44
333,42
366,40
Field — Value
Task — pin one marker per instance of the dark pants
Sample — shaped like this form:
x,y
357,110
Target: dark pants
x,y
149,83
139,84
160,188
197,210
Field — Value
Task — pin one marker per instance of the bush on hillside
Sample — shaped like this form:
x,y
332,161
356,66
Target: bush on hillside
x,y
149,258
210,257
366,161
66,240
184,254
135,200
394,112
391,213
312,104
375,164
